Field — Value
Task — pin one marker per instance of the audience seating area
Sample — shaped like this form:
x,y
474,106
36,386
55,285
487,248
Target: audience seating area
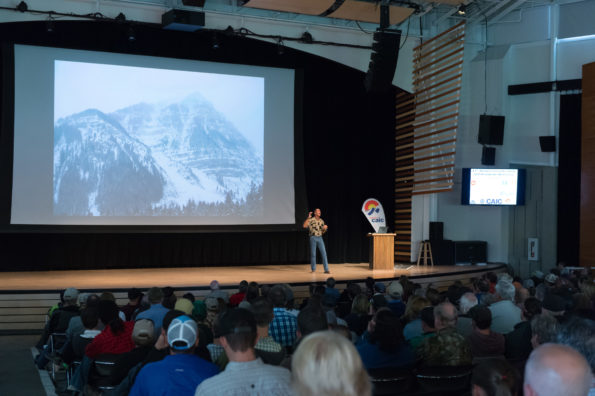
x,y
411,339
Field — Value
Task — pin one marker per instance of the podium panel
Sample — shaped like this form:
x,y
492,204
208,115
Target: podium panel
x,y
382,251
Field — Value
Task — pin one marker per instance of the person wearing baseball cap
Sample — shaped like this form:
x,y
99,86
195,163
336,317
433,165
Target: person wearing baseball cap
x,y
181,371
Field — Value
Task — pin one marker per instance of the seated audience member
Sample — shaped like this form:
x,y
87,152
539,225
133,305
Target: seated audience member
x,y
518,342
93,327
433,296
290,300
483,291
376,302
134,298
483,341
427,326
329,304
58,323
76,327
245,373
370,286
554,305
184,305
395,298
270,351
213,308
346,298
252,293
557,370
169,298
311,319
189,296
216,292
494,377
326,363
379,289
447,347
284,325
357,320
544,329
116,337
238,297
330,289
466,302
384,345
181,371
60,317
411,317
579,333
505,314
157,311
143,338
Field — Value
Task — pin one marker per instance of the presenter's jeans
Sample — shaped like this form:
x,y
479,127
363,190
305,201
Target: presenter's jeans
x,y
316,241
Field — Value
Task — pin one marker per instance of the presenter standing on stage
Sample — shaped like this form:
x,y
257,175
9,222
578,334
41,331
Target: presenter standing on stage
x,y
316,227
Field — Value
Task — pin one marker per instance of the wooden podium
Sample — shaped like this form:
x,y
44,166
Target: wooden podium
x,y
382,251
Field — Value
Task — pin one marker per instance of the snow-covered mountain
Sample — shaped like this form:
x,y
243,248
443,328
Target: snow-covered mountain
x,y
99,169
192,152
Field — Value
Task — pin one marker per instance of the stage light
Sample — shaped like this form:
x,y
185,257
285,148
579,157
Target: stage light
x,y
49,25
280,47
215,41
229,31
121,17
307,38
130,34
22,7
462,10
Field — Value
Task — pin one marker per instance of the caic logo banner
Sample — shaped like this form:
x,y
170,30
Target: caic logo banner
x,y
374,213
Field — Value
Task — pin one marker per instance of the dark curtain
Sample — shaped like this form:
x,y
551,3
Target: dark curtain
x,y
569,179
347,156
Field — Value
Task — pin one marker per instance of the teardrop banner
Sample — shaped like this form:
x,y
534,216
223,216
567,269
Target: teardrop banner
x,y
373,211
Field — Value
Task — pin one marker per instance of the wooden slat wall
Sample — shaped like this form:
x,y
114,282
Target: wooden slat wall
x,y
437,75
587,217
403,176
426,129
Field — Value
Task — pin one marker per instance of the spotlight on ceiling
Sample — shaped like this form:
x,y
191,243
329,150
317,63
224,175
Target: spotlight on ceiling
x,y
462,10
22,7
307,38
280,47
215,41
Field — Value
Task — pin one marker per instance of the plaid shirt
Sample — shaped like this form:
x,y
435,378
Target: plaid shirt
x,y
267,344
283,327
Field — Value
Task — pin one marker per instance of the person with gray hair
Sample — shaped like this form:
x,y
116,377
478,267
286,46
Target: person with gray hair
x,y
447,347
579,333
466,302
557,370
544,328
505,313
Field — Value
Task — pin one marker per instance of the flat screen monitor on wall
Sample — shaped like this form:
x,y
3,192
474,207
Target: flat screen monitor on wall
x,y
493,187
114,139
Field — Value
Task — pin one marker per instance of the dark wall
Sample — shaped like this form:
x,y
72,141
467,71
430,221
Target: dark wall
x,y
348,156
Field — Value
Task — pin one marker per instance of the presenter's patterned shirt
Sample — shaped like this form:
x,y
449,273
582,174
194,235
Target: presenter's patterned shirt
x,y
315,227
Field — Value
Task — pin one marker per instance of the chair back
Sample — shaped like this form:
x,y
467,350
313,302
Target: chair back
x,y
445,380
101,372
391,381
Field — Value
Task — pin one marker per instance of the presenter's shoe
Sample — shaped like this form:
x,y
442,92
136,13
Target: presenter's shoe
x,y
327,272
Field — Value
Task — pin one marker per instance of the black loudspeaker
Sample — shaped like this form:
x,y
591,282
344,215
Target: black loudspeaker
x,y
491,130
547,144
436,231
383,60
488,155
471,251
443,252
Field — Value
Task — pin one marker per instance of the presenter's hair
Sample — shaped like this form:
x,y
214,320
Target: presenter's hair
x,y
326,363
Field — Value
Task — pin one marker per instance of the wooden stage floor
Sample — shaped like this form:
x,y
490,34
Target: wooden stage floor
x,y
189,278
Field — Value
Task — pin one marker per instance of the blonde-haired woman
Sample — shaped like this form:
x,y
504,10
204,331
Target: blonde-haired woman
x,y
326,363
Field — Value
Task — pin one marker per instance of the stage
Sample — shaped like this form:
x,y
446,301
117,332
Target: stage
x,y
188,278
26,296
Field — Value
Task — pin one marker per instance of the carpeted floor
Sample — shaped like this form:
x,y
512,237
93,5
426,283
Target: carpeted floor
x,y
18,374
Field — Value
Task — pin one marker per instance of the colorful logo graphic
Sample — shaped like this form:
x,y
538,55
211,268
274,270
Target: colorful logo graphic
x,y
371,206
373,211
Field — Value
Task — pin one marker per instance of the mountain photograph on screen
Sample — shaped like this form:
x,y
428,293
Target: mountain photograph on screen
x,y
131,141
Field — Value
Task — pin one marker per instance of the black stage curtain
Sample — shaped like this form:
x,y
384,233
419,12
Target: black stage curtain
x,y
569,179
348,156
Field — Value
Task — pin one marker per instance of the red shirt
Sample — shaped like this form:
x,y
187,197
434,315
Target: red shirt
x,y
108,342
236,299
